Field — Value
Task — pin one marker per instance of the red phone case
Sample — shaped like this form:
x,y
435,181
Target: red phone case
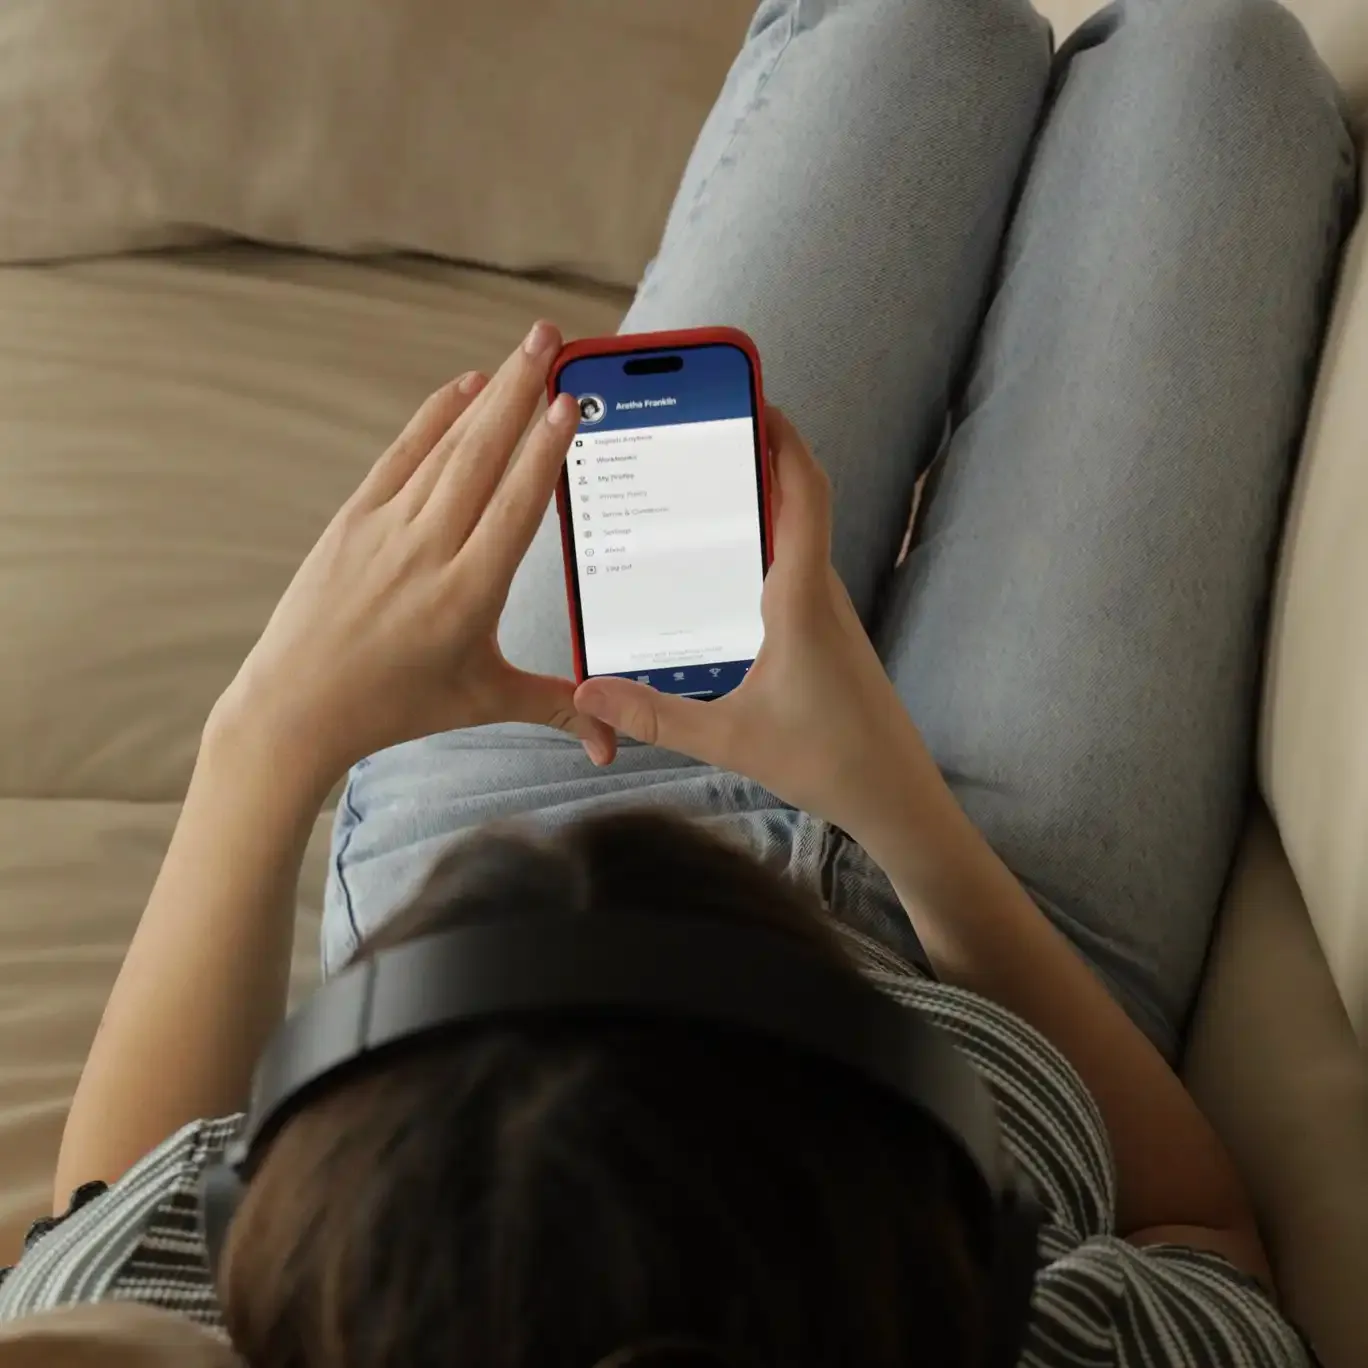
x,y
655,341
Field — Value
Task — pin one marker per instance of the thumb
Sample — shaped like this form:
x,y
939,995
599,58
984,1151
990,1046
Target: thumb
x,y
646,714
802,528
550,702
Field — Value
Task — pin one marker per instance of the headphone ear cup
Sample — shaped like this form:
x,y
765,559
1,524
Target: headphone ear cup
x,y
219,1197
1012,1280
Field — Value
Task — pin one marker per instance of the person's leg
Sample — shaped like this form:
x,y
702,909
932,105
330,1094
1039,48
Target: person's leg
x,y
844,205
1078,627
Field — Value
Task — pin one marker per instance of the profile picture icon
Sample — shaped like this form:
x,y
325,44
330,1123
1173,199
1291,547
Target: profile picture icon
x,y
592,408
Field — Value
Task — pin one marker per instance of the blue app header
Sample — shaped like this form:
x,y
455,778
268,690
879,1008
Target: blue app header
x,y
714,383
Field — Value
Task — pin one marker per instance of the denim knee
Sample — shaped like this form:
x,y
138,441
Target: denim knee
x,y
900,20
1246,64
1253,41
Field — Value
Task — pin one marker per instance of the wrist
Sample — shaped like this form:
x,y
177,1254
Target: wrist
x,y
912,826
247,746
895,790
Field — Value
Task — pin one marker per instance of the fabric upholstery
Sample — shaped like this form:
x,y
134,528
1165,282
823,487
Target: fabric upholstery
x,y
526,134
1275,1066
1314,752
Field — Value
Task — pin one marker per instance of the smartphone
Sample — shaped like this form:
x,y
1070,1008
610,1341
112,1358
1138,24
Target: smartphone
x,y
664,507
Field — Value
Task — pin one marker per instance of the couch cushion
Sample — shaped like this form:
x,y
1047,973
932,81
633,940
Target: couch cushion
x,y
73,880
174,433
1314,750
1274,1064
529,133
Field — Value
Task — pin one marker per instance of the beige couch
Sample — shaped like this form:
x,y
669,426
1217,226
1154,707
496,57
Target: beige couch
x,y
176,428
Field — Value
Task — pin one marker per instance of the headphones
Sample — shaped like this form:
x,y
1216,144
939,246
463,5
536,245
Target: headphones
x,y
610,966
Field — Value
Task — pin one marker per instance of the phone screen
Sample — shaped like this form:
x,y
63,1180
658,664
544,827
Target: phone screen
x,y
664,495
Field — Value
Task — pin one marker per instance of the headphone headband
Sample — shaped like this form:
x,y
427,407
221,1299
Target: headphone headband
x,y
724,974
605,967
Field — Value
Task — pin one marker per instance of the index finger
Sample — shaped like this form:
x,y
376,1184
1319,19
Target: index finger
x,y
505,530
439,412
455,481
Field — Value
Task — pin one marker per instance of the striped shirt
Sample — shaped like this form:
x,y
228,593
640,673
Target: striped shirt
x,y
1098,1302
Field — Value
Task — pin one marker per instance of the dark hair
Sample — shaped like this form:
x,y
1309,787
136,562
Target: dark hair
x,y
540,1196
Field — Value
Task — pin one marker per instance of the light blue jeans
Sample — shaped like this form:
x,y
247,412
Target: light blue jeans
x,y
1105,274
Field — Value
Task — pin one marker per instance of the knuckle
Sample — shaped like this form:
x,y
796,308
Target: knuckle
x,y
413,549
351,514
642,722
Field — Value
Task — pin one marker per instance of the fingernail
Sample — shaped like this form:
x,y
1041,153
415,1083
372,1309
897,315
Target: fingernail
x,y
541,339
563,411
589,738
470,382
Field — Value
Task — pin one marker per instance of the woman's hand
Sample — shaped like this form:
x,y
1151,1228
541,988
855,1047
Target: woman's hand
x,y
816,720
387,631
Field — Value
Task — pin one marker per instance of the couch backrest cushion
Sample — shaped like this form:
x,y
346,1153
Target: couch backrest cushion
x,y
1313,761
522,134
1314,751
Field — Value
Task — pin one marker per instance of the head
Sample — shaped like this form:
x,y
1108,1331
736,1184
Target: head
x,y
540,1196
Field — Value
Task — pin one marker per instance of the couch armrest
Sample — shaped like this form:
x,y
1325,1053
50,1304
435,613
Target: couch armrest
x,y
1313,751
1275,1064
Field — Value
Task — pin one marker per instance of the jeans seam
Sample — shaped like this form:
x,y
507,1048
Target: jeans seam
x,y
762,80
354,821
